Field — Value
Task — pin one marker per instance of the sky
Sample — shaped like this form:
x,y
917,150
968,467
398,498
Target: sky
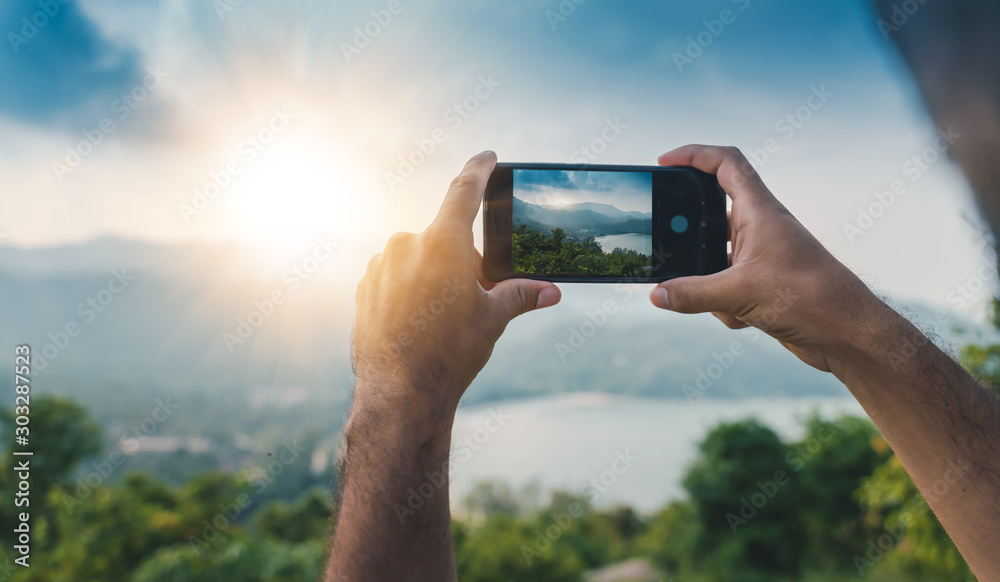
x,y
180,120
627,191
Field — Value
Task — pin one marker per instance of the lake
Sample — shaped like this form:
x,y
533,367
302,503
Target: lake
x,y
642,243
565,441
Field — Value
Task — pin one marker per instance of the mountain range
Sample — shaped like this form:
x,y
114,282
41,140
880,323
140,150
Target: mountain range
x,y
166,332
582,219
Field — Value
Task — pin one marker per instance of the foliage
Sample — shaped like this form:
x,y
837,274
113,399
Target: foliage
x,y
533,252
307,519
671,538
757,508
746,501
908,537
832,461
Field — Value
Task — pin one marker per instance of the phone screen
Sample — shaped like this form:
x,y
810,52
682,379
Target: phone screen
x,y
578,222
602,224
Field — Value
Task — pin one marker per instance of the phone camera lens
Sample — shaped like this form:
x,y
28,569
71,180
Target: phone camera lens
x,y
678,194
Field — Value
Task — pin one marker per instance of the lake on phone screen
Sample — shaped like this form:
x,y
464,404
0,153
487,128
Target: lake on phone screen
x,y
562,442
642,243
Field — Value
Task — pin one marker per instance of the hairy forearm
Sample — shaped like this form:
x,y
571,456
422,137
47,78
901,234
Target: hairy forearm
x,y
394,521
943,425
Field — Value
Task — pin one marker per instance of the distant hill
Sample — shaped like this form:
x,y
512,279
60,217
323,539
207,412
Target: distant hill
x,y
607,210
581,220
165,333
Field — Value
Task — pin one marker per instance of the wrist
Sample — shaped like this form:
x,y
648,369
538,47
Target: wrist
x,y
393,410
877,341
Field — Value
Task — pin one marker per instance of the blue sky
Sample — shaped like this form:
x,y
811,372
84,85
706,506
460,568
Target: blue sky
x,y
627,191
440,81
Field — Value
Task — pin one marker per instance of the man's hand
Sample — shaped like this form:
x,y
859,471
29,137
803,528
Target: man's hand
x,y
933,414
782,280
427,320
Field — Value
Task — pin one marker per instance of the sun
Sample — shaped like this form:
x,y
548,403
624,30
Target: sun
x,y
295,191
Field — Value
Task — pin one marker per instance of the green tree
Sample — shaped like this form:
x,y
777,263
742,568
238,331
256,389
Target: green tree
x,y
506,548
908,538
831,461
747,503
671,538
61,436
561,254
305,520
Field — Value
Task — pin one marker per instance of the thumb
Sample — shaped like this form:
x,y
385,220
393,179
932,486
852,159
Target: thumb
x,y
517,296
700,294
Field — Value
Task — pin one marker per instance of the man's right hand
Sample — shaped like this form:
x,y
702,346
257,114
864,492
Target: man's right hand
x,y
781,280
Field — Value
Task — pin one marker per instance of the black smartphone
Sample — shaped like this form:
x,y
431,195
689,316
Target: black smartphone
x,y
602,224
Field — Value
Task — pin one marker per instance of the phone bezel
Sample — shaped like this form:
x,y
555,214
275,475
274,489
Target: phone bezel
x,y
711,232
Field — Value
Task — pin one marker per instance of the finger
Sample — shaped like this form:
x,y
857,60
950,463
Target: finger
x,y
736,176
477,263
730,228
701,294
517,296
373,265
465,195
730,320
360,290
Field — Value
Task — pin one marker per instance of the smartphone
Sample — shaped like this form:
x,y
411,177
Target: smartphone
x,y
602,224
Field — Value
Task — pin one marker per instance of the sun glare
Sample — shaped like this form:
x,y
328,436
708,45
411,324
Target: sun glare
x,y
292,194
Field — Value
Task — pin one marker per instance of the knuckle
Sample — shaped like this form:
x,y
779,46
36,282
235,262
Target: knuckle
x,y
399,241
373,264
435,239
733,153
463,181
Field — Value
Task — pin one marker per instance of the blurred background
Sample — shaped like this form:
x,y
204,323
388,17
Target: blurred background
x,y
191,190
